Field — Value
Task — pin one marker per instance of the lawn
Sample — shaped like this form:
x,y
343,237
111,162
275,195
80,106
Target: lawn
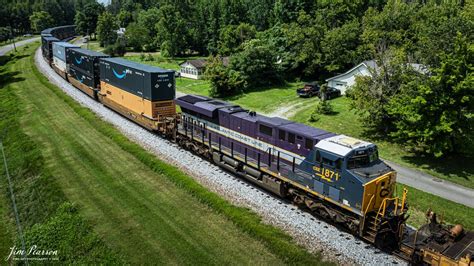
x,y
92,45
419,202
141,208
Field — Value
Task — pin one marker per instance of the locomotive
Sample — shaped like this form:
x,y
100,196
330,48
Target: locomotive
x,y
337,177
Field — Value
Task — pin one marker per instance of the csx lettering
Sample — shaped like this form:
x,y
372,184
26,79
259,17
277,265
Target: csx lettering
x,y
326,174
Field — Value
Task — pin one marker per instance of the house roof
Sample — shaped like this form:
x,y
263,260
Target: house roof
x,y
201,63
197,63
372,65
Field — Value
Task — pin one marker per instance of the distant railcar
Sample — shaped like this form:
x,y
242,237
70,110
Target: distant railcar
x,y
47,47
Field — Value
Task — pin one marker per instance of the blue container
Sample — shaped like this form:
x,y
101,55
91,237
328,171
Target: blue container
x,y
59,50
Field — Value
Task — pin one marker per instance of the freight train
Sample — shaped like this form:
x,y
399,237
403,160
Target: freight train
x,y
336,177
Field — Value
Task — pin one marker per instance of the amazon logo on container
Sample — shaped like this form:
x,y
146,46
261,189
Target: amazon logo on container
x,y
123,74
78,61
81,79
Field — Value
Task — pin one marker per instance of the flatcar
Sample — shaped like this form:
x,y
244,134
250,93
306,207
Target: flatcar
x,y
337,177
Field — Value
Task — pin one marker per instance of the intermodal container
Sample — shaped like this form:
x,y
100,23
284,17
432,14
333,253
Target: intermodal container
x,y
60,49
46,46
148,82
83,77
85,60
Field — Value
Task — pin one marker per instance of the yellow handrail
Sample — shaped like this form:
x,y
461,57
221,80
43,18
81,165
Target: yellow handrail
x,y
368,205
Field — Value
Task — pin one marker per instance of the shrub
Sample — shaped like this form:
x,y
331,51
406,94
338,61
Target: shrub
x,y
116,49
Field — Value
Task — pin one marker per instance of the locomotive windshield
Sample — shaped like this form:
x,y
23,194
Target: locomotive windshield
x,y
363,158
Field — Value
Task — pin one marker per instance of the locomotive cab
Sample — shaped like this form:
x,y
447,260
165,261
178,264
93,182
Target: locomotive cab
x,y
359,180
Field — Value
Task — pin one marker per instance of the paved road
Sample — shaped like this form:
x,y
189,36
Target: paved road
x,y
434,185
7,48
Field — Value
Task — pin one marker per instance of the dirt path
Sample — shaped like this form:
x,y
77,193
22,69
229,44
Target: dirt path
x,y
286,111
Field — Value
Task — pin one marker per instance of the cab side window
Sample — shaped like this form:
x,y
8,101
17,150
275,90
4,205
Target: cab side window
x,y
281,135
308,144
326,161
291,138
266,130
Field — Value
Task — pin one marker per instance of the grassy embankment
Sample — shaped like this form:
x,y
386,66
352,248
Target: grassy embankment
x,y
139,207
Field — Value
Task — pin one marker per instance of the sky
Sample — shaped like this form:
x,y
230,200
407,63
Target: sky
x,y
103,1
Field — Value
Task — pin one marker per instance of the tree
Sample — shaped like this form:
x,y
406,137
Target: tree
x,y
86,18
232,37
40,21
389,27
339,47
106,29
257,65
137,36
171,31
124,18
224,81
436,114
302,40
147,19
371,94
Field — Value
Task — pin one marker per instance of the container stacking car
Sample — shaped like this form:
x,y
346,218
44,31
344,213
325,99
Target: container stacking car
x,y
142,93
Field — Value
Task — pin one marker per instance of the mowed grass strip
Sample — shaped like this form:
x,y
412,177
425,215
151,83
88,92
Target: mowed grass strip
x,y
142,208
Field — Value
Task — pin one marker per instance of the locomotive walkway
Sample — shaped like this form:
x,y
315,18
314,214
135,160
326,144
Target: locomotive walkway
x,y
407,176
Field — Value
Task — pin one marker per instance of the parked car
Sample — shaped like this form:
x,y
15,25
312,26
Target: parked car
x,y
309,90
330,93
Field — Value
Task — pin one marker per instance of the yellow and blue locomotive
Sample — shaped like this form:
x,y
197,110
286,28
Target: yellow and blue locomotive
x,y
336,176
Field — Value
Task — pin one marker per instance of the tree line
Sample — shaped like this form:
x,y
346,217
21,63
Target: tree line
x,y
272,41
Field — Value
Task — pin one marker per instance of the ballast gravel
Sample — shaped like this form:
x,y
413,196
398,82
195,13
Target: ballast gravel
x,y
308,231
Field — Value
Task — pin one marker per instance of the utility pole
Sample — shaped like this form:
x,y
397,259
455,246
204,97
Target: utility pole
x,y
13,37
15,210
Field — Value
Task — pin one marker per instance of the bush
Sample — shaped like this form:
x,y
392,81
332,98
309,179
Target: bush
x,y
116,49
224,81
149,57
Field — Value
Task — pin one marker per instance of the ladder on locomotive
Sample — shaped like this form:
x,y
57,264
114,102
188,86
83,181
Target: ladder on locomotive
x,y
373,220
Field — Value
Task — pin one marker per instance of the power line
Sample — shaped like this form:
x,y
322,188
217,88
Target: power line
x,y
15,210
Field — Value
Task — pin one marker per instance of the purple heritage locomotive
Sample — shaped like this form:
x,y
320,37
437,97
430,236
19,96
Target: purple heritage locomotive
x,y
284,156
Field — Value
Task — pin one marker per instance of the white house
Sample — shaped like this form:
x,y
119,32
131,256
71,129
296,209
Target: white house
x,y
193,69
347,79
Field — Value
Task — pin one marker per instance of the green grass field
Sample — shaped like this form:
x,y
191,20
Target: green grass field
x,y
141,208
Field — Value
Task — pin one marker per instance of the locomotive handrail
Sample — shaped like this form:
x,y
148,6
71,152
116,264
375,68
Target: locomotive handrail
x,y
368,205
